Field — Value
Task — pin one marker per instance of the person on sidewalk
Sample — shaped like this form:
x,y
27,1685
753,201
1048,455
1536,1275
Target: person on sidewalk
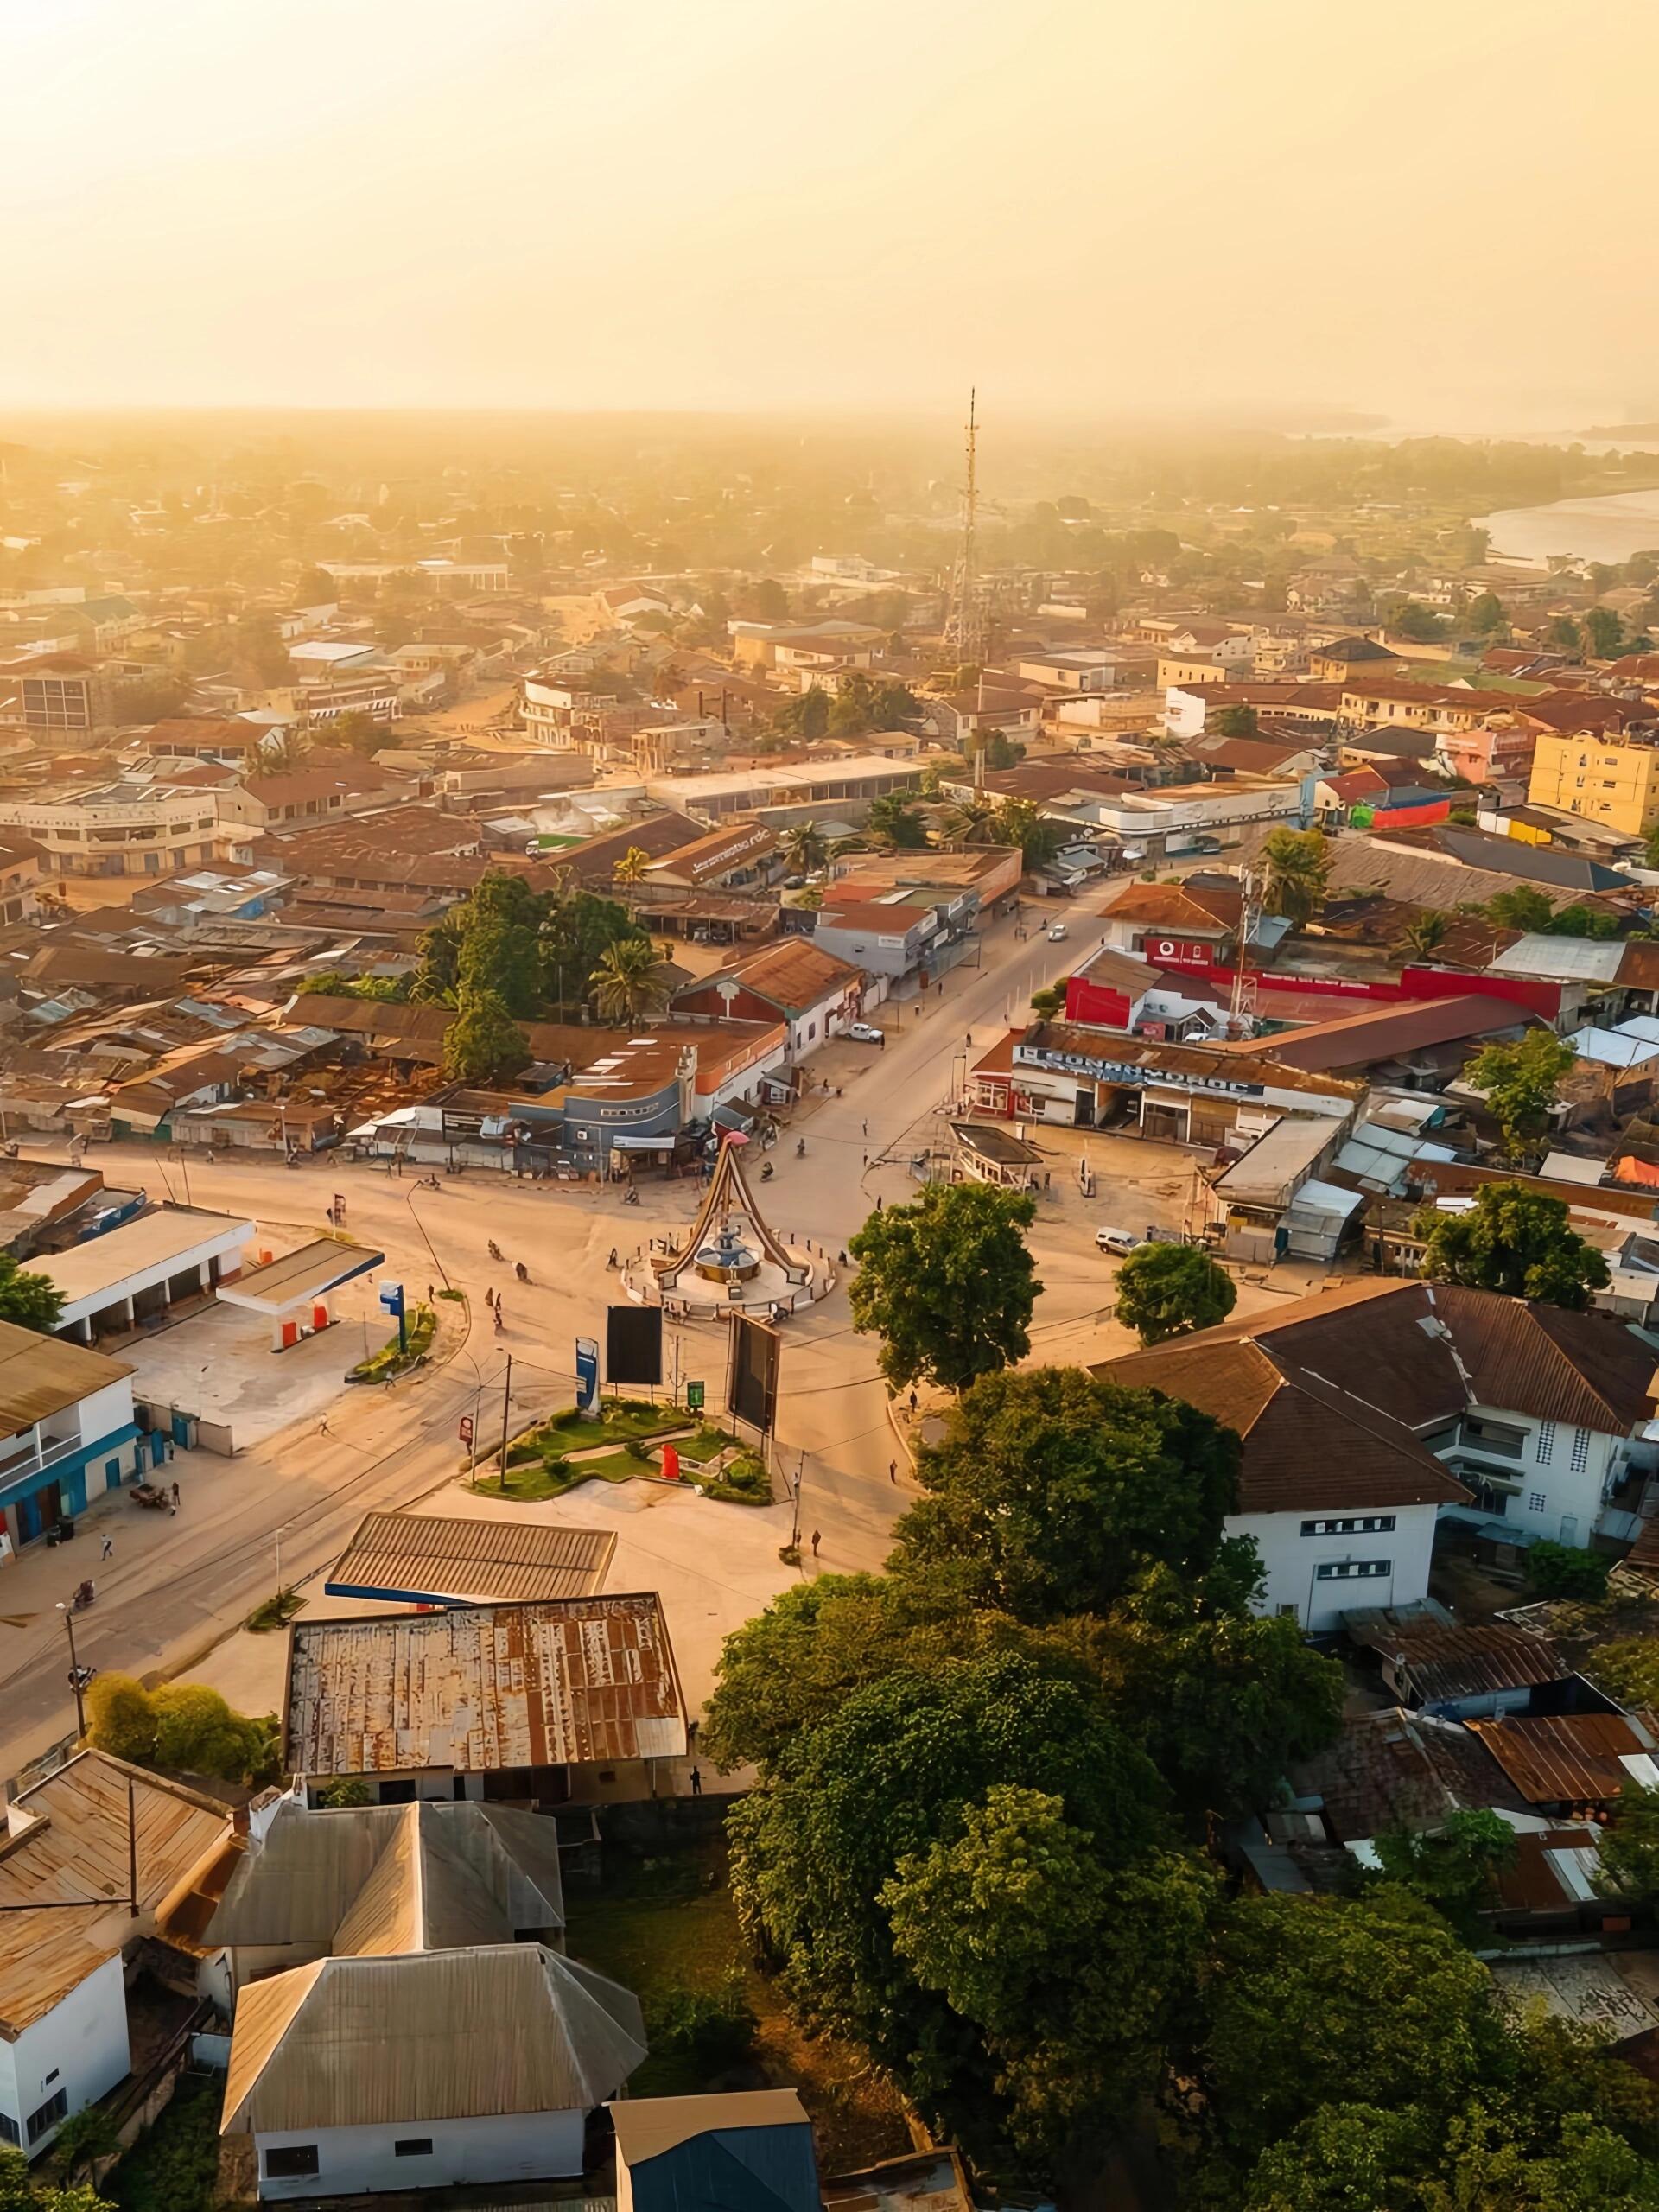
x,y
696,1782
108,1551
175,1497
892,1471
817,1540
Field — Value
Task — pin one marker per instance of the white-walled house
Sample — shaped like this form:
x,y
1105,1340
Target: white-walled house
x,y
1370,1412
63,2005
425,2069
66,1431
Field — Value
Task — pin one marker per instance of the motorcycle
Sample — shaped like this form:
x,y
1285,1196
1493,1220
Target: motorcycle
x,y
84,1595
495,1250
632,1199
611,1263
800,1147
765,1171
521,1271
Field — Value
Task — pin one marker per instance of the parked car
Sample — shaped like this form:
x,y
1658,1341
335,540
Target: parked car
x,y
865,1032
1057,934
1120,1241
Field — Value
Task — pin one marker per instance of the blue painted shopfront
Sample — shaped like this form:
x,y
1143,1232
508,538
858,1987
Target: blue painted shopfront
x,y
60,1491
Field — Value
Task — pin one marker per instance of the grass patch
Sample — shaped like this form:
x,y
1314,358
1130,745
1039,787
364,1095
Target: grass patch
x,y
460,1296
744,1482
173,2166
619,1420
667,1928
539,1478
275,1612
420,1327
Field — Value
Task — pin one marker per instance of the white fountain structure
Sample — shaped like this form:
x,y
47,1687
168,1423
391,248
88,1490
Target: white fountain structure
x,y
730,1260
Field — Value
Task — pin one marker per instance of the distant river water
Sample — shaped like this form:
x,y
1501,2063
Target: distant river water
x,y
1607,529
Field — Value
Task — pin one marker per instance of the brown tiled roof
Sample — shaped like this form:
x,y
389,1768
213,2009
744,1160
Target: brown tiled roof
x,y
794,974
1307,1447
1346,1355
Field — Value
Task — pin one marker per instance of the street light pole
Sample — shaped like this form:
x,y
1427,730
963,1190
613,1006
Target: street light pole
x,y
74,1668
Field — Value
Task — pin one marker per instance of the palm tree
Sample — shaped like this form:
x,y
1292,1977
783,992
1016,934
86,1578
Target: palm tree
x,y
974,822
1298,863
632,866
1425,933
804,849
632,980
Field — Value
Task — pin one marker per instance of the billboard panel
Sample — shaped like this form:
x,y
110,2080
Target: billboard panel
x,y
633,1344
751,1387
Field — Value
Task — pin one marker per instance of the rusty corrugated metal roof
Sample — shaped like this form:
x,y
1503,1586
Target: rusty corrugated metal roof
x,y
1567,1758
577,1682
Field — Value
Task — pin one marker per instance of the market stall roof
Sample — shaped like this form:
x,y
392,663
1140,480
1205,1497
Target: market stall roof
x,y
297,1277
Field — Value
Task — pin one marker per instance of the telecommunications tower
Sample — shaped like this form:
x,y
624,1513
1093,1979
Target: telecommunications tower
x,y
965,616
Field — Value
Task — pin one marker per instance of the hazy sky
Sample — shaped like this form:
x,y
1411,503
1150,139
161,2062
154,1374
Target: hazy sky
x,y
1441,210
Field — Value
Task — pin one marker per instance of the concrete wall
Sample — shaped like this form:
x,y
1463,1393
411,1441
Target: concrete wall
x,y
1291,1561
81,2047
516,2146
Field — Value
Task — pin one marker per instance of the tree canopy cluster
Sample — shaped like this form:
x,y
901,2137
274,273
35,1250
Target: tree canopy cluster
x,y
510,954
1514,1240
975,1850
185,1727
861,703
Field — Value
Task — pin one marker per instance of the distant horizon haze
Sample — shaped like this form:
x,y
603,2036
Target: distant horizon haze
x,y
1097,212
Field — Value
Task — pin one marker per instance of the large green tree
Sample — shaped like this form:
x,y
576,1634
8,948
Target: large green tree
x,y
890,1773
947,1283
1513,1240
30,1301
1169,1290
1521,1082
577,933
1310,1999
1071,1971
484,1044
1052,1490
895,820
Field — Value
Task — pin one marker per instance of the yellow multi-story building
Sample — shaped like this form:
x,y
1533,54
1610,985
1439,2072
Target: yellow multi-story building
x,y
1605,776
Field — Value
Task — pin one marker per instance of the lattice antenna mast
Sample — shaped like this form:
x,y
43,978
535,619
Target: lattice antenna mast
x,y
1241,1007
964,628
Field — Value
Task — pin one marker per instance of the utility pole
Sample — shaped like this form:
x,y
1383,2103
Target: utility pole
x,y
507,1418
964,628
74,1668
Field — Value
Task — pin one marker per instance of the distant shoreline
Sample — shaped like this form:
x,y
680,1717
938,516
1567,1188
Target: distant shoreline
x,y
1608,526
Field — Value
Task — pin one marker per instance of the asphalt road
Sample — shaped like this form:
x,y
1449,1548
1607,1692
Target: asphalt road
x,y
178,1585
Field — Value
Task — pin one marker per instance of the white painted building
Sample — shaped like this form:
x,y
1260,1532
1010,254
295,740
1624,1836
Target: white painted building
x,y
63,2006
113,1283
1371,1412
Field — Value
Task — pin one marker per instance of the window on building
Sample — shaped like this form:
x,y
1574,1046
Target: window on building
x,y
291,2162
1546,1442
1368,1524
412,2146
10,2131
1535,1501
1578,1459
43,2122
1353,1570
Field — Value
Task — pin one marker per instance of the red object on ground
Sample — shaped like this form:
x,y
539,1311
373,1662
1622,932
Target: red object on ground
x,y
670,1464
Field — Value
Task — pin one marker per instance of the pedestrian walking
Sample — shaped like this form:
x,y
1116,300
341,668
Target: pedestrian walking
x,y
913,1405
169,1448
865,1128
816,1540
867,1159
892,1471
108,1551
696,1782
175,1497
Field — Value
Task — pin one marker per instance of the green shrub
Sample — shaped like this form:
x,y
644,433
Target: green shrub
x,y
1563,1571
346,1790
1627,1669
714,2027
173,2166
